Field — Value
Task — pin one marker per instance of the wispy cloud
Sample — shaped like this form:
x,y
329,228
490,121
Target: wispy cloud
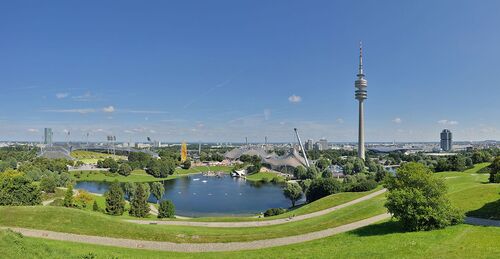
x,y
86,97
144,111
340,121
447,122
294,99
397,120
81,111
109,109
62,95
33,130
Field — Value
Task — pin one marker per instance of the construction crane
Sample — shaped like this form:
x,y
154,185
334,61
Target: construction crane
x,y
301,147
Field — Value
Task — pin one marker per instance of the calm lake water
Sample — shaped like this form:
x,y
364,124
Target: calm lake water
x,y
201,196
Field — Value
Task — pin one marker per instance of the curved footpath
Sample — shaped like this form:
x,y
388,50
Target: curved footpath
x,y
199,247
258,223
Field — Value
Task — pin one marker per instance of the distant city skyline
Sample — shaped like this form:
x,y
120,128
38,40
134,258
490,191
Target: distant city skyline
x,y
248,69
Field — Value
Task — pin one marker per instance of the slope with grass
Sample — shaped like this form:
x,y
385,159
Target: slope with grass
x,y
90,157
383,240
265,177
89,223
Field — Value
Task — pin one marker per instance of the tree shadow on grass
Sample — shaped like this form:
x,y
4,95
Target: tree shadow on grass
x,y
380,229
490,210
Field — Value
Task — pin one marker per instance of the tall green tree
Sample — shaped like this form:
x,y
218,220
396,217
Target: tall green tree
x,y
115,203
68,197
418,199
139,204
157,189
293,192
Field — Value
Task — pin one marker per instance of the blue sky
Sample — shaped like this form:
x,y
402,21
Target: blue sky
x,y
223,70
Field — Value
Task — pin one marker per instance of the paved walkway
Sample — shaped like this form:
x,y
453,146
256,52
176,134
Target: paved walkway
x,y
482,222
259,223
198,247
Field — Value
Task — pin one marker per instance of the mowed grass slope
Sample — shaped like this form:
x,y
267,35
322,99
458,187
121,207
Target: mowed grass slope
x,y
90,223
384,240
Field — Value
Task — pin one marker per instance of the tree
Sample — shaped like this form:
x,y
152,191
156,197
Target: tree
x,y
186,164
161,168
139,204
125,169
68,197
293,192
300,172
157,189
348,168
18,190
48,184
129,189
327,174
322,163
322,187
95,206
495,170
166,209
115,203
418,199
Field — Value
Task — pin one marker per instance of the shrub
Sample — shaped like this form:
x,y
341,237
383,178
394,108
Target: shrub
x,y
125,169
48,184
166,209
418,199
18,190
82,199
363,186
322,187
68,197
274,212
95,206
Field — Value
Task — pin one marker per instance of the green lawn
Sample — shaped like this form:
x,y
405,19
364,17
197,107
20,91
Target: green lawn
x,y
384,240
92,223
141,175
265,177
90,157
472,193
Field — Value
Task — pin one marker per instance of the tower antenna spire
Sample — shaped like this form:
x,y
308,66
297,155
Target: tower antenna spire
x,y
360,69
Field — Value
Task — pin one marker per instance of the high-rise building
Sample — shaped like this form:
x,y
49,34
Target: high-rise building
x,y
323,143
309,144
47,136
446,140
361,95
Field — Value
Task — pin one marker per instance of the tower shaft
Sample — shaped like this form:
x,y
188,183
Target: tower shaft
x,y
361,131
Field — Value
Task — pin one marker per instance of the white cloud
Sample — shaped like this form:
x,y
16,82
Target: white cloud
x,y
294,99
447,122
340,121
33,130
108,109
62,95
397,120
85,97
81,111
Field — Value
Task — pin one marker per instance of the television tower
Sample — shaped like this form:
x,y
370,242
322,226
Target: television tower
x,y
361,95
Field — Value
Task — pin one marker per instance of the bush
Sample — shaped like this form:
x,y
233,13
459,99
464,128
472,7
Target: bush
x,y
363,186
82,199
186,164
274,212
48,184
125,169
322,187
166,209
418,199
18,190
68,197
95,206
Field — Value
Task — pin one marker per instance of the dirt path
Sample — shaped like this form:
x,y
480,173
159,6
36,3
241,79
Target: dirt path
x,y
259,223
201,247
482,222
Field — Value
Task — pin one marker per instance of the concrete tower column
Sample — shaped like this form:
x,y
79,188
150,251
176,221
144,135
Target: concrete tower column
x,y
361,94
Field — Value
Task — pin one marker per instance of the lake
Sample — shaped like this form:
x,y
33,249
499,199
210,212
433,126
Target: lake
x,y
203,196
